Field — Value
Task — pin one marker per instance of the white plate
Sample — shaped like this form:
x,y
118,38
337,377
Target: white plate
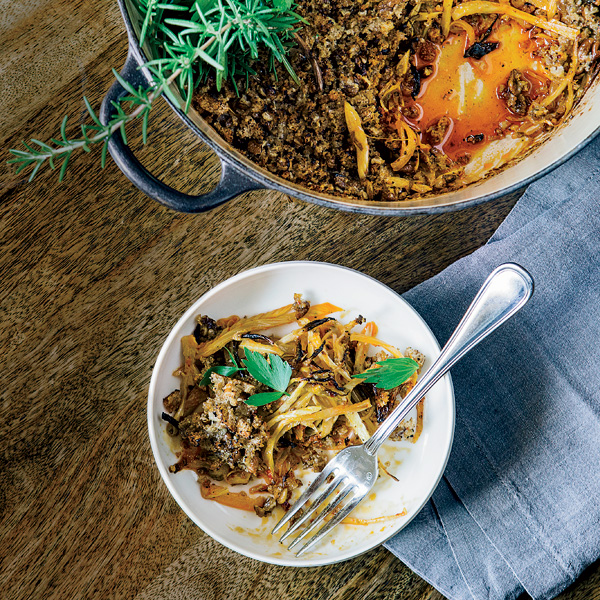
x,y
417,466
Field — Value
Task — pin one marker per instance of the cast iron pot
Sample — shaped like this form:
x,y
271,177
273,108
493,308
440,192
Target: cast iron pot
x,y
239,174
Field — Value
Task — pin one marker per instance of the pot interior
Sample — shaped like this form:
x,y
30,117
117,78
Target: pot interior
x,y
580,128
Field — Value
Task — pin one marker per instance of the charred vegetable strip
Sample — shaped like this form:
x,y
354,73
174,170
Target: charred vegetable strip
x,y
274,318
169,419
313,60
479,49
258,336
313,324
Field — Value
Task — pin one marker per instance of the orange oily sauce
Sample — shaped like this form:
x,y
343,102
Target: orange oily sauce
x,y
222,495
466,90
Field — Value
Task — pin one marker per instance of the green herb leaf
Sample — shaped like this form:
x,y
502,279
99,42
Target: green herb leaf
x,y
263,398
390,373
225,371
275,372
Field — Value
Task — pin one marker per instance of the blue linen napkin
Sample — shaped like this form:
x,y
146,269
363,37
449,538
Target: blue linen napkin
x,y
518,508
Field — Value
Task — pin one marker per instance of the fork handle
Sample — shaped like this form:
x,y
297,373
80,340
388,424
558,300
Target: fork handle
x,y
503,293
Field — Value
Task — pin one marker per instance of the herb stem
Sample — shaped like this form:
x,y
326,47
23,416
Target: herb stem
x,y
313,61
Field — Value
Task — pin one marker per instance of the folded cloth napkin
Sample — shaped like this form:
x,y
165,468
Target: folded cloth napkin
x,y
518,508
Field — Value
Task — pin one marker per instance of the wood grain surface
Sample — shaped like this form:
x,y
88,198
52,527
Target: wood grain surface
x,y
94,275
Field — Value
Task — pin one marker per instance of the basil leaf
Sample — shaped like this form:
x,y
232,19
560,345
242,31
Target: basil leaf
x,y
226,371
276,372
263,398
390,373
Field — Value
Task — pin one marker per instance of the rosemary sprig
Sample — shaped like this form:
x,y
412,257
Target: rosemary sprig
x,y
90,134
191,40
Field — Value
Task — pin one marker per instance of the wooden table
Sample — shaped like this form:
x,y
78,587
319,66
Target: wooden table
x,y
94,275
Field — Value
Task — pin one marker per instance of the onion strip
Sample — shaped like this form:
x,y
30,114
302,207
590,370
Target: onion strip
x,y
270,448
370,329
419,425
397,182
551,7
358,426
471,37
359,139
446,17
421,188
409,145
291,399
335,411
295,416
367,339
388,90
255,346
570,98
566,80
483,7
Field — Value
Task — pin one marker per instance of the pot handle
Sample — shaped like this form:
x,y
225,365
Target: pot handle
x,y
233,181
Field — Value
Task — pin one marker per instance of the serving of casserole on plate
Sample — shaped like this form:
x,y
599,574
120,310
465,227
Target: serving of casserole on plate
x,y
213,498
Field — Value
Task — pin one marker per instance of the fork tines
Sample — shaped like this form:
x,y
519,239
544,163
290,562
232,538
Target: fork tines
x,y
305,510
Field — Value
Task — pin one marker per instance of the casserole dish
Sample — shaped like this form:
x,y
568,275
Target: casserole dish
x,y
239,174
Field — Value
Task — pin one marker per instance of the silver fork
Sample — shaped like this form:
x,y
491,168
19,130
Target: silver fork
x,y
353,472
